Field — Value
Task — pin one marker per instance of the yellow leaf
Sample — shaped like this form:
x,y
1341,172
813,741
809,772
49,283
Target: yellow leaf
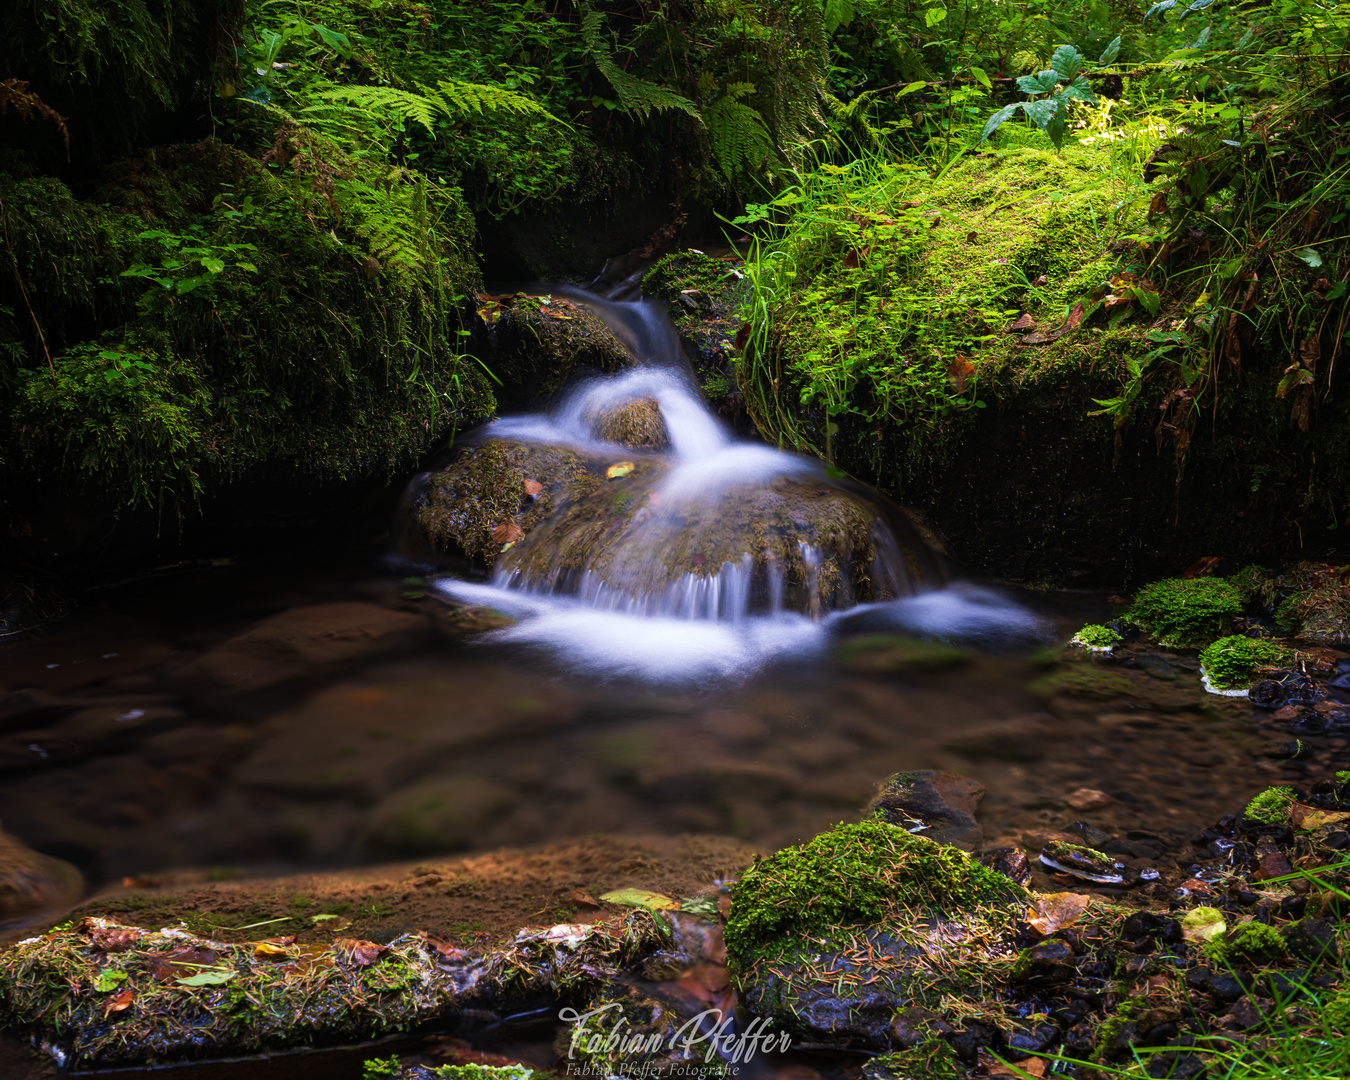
x,y
1054,911
652,901
1202,923
619,469
269,948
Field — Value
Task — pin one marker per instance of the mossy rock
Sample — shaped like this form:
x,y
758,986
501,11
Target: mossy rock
x,y
931,1060
1232,661
539,348
893,654
1083,680
637,424
1186,612
1247,943
471,507
1318,608
821,933
1270,807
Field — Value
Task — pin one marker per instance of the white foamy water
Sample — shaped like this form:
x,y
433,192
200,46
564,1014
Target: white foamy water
x,y
621,643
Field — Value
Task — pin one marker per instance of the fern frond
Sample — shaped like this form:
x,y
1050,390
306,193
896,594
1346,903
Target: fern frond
x,y
466,97
635,94
334,106
739,138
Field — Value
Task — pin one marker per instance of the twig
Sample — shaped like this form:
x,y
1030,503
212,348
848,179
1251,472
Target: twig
x,y
14,263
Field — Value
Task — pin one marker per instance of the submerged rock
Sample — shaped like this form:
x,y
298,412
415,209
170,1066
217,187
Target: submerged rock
x,y
33,885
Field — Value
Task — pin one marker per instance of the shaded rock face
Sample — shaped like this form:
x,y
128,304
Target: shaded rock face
x,y
560,520
32,885
537,348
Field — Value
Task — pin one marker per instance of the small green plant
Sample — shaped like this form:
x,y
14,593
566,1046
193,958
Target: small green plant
x,y
1230,661
1051,91
1094,636
1186,613
189,260
1270,807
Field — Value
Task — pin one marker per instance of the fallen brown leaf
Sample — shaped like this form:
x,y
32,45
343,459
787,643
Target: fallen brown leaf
x,y
1024,322
972,236
119,1002
507,533
582,898
533,487
1054,911
358,952
114,939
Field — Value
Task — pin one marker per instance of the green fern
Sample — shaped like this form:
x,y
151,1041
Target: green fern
x,y
335,104
740,140
635,94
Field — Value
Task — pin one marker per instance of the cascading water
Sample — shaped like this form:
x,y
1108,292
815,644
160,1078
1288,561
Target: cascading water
x,y
684,554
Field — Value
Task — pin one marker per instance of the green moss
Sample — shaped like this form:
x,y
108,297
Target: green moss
x,y
864,873
1270,807
892,654
1318,610
1230,661
1186,613
638,424
538,347
933,1059
1085,681
1250,942
1094,636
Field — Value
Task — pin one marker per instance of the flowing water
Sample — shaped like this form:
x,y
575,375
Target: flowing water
x,y
219,719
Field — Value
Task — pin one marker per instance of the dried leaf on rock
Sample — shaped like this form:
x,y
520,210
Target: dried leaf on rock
x,y
358,952
1054,911
210,977
619,469
1309,818
119,1002
507,533
111,939
270,948
533,487
1024,322
641,898
582,898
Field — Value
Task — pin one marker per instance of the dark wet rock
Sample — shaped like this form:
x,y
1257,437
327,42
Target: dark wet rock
x,y
302,642
539,347
973,1037
1082,863
1018,738
1282,689
915,1025
635,423
892,654
1034,1039
1011,862
1177,1066
944,803
1090,835
1050,961
1080,1039
1313,939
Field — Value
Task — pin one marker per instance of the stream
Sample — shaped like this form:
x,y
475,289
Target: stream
x,y
219,720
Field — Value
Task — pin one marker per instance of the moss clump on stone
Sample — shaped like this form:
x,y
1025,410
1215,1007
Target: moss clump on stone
x,y
932,1059
1270,807
1230,661
538,348
893,654
1186,613
867,873
1250,942
638,424
1083,680
1094,636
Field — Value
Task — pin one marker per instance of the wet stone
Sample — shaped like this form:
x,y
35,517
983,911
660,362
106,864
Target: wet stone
x,y
1011,862
943,803
1313,939
1082,863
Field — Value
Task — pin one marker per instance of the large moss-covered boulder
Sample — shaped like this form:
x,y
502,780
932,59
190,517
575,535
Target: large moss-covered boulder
x,y
554,514
540,343
834,935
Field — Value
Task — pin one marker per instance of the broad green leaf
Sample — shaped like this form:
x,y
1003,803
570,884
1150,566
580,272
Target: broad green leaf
x,y
339,43
216,266
1198,5
1309,256
643,898
209,977
934,15
1030,84
1040,111
109,981
1079,90
911,88
1294,376
981,77
997,119
1066,63
1110,53
1159,9
1057,130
